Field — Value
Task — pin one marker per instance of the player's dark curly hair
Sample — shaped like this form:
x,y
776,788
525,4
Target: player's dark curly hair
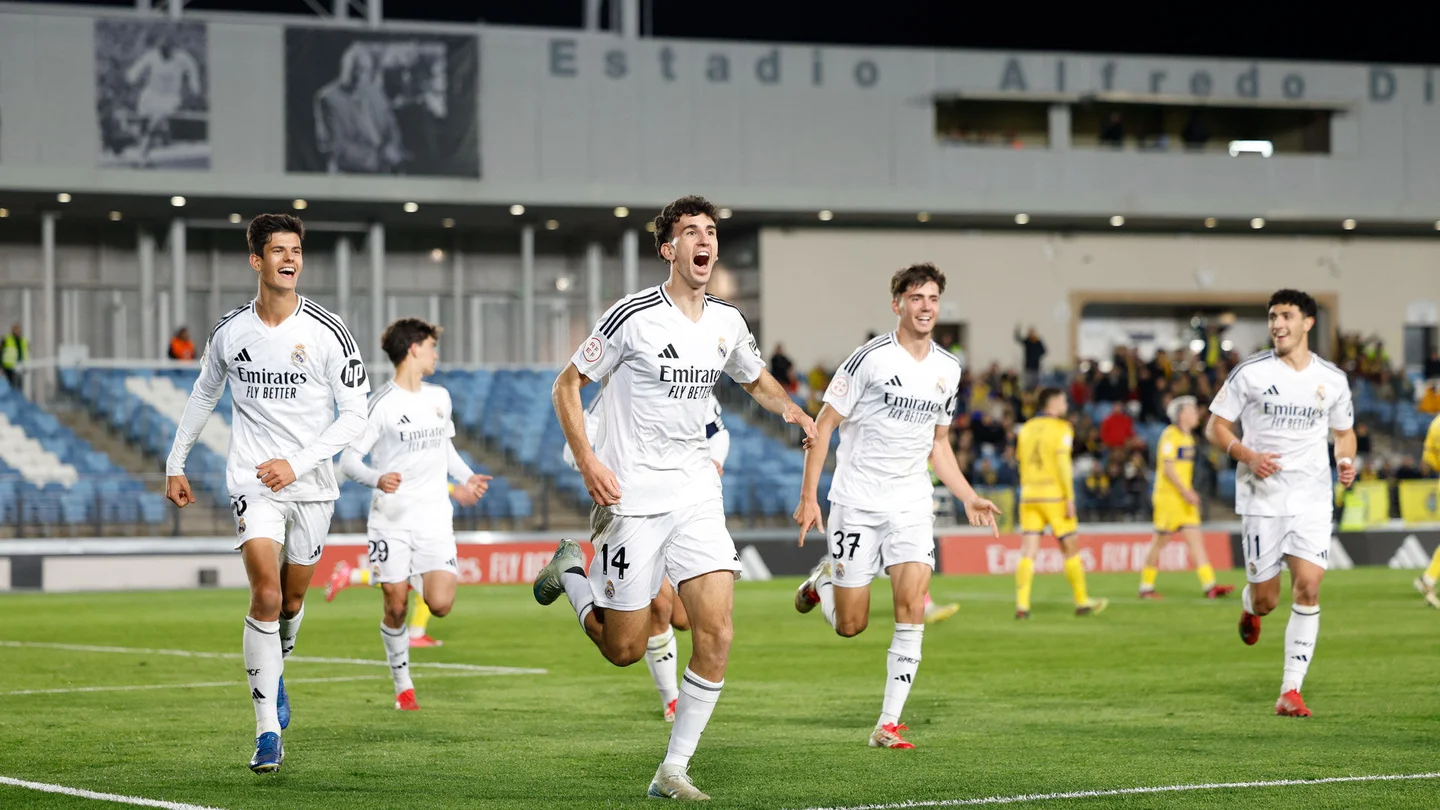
x,y
267,225
908,278
1300,300
404,333
688,206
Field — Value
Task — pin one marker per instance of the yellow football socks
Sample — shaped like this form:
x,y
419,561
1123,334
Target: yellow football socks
x,y
360,575
1207,577
1024,576
1075,573
1147,578
1433,572
419,617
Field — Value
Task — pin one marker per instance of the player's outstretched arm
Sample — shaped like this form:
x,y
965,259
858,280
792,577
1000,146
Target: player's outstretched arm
x,y
767,391
565,394
1221,433
979,511
1346,444
472,484
203,399
807,513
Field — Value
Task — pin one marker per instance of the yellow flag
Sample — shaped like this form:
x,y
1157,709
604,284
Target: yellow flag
x,y
1419,501
1366,504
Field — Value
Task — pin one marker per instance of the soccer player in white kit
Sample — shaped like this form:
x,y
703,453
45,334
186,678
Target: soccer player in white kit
x,y
410,533
667,614
893,401
289,364
166,71
1286,400
658,508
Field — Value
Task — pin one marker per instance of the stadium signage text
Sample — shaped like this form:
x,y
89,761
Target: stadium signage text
x,y
719,67
1380,86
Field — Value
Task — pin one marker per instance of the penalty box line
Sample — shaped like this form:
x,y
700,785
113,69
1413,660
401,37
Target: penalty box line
x,y
104,797
148,687
476,669
1091,794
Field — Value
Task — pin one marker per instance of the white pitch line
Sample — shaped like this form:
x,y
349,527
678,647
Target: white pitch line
x,y
145,687
104,797
301,659
1090,794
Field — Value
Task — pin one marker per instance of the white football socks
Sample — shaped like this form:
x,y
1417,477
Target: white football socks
x,y
397,652
289,629
1246,602
263,666
662,659
1300,635
697,702
577,590
826,590
902,661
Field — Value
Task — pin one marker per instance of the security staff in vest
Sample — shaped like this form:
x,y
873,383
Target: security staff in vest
x,y
14,350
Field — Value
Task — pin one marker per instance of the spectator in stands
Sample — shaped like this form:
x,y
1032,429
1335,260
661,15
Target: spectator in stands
x,y
181,347
1034,351
1363,442
1008,472
1080,390
1117,428
985,474
1113,132
1432,365
1111,388
1097,487
782,369
1195,134
1430,403
1162,368
989,431
14,350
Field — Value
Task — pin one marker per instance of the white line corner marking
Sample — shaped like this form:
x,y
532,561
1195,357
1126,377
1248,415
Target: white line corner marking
x,y
1090,794
104,797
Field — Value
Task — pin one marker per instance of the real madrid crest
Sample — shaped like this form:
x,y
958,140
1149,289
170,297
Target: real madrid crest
x,y
940,384
299,354
240,526
609,589
840,570
1320,393
721,348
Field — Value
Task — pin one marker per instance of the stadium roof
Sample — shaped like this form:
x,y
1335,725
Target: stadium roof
x,y
1200,29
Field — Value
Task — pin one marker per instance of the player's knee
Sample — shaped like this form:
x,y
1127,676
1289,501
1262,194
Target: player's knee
x,y
1306,593
291,605
1266,602
440,609
849,627
265,601
678,623
624,654
395,614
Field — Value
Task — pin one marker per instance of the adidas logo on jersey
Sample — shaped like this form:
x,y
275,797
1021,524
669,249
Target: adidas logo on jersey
x,y
1272,391
404,420
895,381
243,357
670,353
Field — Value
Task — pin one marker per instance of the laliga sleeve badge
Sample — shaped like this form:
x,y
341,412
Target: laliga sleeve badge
x,y
299,354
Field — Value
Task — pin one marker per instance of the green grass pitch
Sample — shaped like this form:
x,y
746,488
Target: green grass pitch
x,y
1147,694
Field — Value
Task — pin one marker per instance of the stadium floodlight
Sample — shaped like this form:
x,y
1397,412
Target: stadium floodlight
x,y
177,201
726,213
552,224
562,283
621,211
1024,219
447,222
411,207
1209,222
1117,220
235,219
62,197
1348,224
1257,223
437,255
1197,345
826,215
115,216
923,216
1227,345
516,210
1261,148
299,204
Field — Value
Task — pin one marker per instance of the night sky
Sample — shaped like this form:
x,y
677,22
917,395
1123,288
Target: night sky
x,y
1351,32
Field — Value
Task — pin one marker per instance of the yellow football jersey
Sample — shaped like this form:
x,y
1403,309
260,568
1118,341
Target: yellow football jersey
x,y
1044,446
1432,445
1179,447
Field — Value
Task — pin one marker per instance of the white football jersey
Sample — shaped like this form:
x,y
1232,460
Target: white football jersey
x,y
285,385
659,369
715,433
409,432
891,403
1281,410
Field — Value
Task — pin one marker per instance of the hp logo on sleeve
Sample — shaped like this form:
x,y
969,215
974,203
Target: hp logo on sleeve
x,y
353,376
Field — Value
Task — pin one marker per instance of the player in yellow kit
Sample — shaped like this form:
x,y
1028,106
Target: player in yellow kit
x,y
1047,500
1175,501
1425,584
